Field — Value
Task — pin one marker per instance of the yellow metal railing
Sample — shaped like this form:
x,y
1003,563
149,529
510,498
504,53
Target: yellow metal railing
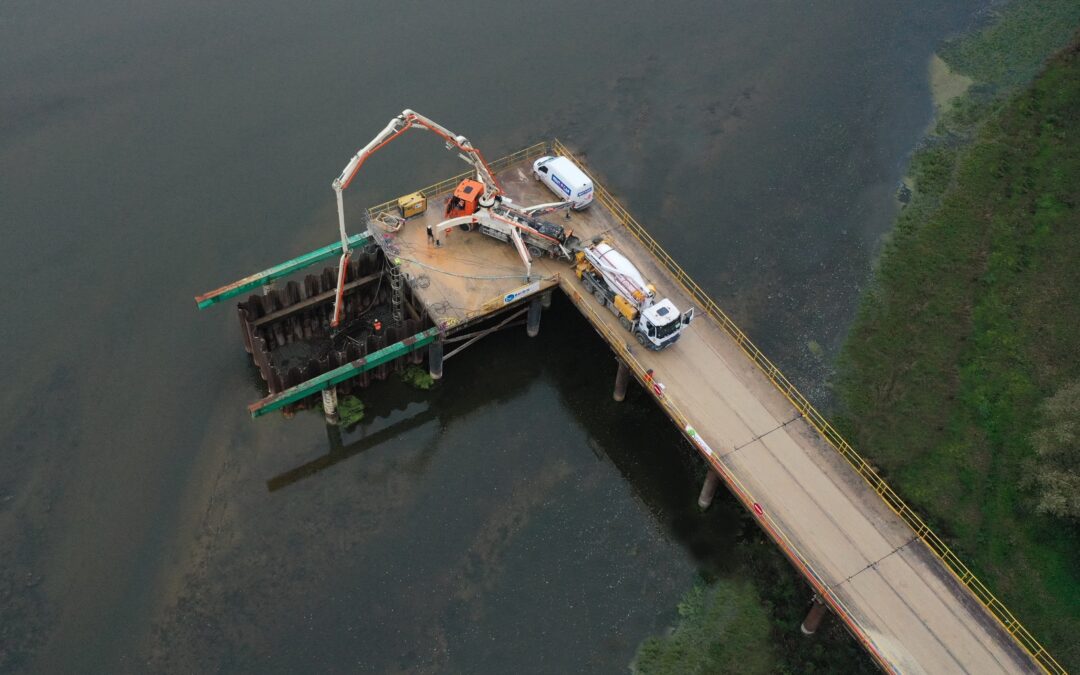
x,y
741,492
833,437
449,184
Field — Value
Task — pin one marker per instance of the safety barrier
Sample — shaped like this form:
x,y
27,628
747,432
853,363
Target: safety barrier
x,y
618,343
833,437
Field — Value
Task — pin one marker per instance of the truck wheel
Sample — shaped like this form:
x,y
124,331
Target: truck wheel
x,y
600,297
641,339
589,288
535,251
625,323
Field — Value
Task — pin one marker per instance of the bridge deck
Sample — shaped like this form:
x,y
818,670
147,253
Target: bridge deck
x,y
897,597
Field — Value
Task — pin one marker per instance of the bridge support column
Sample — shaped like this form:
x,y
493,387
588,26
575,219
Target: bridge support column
x,y
330,405
532,324
333,435
708,490
545,300
622,379
435,359
814,618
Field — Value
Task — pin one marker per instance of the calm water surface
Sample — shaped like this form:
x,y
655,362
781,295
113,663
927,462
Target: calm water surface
x,y
512,519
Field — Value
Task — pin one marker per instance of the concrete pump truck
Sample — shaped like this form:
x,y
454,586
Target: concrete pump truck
x,y
482,205
479,203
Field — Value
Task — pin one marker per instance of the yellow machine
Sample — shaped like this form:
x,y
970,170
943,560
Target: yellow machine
x,y
412,205
625,308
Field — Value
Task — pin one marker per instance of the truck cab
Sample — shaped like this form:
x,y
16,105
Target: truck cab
x,y
661,324
465,200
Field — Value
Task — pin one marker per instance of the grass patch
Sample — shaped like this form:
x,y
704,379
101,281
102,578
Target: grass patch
x,y
972,323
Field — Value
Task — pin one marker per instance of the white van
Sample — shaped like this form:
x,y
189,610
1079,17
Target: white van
x,y
565,179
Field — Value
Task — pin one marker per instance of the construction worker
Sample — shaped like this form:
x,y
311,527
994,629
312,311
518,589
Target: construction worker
x,y
430,235
650,380
377,326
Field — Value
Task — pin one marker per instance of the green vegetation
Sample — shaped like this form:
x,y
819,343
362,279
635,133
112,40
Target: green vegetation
x,y
1057,446
972,326
960,375
723,629
417,377
786,599
350,410
1012,49
748,622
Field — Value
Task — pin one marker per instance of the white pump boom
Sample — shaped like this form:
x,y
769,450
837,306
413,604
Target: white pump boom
x,y
399,125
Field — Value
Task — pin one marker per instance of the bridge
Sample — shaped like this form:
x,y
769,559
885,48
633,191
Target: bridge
x,y
871,560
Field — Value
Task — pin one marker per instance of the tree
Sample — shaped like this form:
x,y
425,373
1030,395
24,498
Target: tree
x,y
723,628
1057,448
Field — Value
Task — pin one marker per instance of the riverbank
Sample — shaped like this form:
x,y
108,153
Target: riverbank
x,y
886,352
970,325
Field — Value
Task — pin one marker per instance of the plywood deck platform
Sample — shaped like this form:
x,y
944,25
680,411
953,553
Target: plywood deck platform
x,y
876,572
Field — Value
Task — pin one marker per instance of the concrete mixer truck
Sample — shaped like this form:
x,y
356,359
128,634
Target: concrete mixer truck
x,y
618,285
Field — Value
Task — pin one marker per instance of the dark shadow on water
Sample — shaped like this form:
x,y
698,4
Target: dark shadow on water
x,y
635,436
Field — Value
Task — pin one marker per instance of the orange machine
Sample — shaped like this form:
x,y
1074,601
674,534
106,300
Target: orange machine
x,y
465,199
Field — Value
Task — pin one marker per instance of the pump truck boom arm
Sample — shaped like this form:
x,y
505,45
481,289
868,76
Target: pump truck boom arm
x,y
543,209
402,123
397,126
529,236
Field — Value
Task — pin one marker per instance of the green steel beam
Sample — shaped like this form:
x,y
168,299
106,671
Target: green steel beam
x,y
277,271
342,373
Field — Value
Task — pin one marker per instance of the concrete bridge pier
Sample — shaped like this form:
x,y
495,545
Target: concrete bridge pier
x,y
622,379
532,325
814,618
708,490
330,405
333,435
435,359
545,300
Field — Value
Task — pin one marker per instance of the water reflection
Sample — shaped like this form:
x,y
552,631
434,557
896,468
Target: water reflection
x,y
340,451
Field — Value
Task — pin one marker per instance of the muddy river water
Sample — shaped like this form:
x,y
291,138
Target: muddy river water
x,y
512,519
